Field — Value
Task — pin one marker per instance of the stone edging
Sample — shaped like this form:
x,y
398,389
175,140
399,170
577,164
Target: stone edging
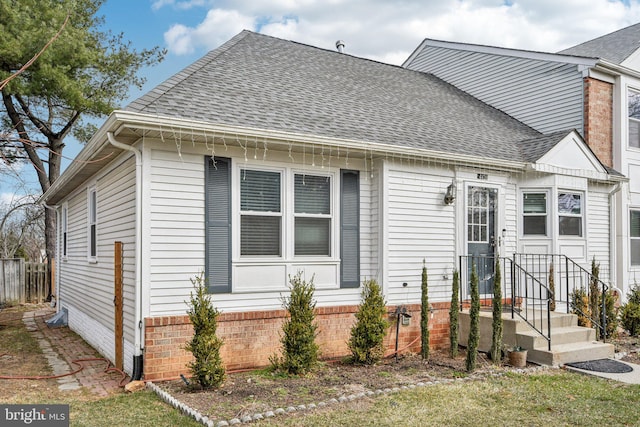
x,y
198,417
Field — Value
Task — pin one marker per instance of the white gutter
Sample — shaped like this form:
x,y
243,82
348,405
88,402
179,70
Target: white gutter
x,y
137,351
616,69
198,128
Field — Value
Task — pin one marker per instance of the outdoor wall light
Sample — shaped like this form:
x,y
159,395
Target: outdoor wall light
x,y
450,195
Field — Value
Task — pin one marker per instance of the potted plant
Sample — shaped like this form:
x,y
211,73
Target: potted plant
x,y
518,357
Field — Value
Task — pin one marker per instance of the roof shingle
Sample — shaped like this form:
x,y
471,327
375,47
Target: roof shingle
x,y
615,47
264,82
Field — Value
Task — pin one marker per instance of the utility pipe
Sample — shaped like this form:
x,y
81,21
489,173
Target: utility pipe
x,y
137,351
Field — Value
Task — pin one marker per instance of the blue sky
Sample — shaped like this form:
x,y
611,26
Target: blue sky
x,y
383,30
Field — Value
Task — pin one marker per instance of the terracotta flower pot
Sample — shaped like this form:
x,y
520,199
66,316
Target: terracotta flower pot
x,y
518,358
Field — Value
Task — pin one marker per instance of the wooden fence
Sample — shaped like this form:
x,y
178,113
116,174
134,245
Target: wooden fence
x,y
22,282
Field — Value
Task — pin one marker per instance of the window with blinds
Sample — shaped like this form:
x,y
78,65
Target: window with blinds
x,y
534,214
634,233
312,212
260,213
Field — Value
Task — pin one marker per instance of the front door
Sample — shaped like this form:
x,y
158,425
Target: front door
x,y
481,234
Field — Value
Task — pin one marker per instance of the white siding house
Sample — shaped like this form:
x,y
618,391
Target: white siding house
x,y
254,167
593,87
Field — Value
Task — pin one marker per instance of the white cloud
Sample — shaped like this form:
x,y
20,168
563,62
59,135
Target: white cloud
x,y
218,26
182,5
390,31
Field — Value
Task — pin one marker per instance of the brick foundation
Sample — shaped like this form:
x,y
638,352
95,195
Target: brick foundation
x,y
251,337
598,118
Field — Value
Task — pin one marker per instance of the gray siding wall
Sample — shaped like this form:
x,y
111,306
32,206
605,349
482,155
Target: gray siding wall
x,y
176,233
420,228
86,288
543,94
598,228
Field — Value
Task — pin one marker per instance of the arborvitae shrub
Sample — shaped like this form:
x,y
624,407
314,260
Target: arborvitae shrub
x,y
424,314
579,304
594,295
206,368
454,311
611,312
299,349
474,315
367,334
496,342
630,312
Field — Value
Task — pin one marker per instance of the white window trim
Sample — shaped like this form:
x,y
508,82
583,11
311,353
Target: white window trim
x,y
64,219
634,267
333,202
522,214
583,214
287,215
92,220
630,89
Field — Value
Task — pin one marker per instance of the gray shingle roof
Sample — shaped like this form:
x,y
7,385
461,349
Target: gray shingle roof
x,y
614,47
259,81
534,148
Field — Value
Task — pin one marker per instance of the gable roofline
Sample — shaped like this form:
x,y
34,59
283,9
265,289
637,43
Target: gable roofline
x,y
584,61
616,46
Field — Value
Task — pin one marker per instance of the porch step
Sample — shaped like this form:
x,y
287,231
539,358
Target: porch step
x,y
561,354
558,320
559,335
569,342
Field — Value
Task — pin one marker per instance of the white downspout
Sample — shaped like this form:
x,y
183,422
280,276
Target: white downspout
x,y
137,351
613,236
57,258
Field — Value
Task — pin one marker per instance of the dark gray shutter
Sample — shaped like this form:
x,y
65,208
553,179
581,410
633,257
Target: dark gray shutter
x,y
349,229
218,224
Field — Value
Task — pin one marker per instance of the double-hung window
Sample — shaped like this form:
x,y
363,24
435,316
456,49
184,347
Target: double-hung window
x,y
633,98
534,214
64,218
570,210
312,215
634,234
260,213
281,216
93,219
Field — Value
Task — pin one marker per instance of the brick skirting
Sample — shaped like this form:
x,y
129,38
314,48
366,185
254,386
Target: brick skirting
x,y
250,338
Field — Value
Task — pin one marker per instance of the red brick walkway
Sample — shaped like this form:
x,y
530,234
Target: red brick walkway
x,y
70,347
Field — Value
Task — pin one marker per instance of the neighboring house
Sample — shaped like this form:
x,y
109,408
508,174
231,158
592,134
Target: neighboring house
x,y
593,87
268,157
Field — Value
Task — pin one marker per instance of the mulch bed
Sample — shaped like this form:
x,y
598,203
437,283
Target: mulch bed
x,y
248,393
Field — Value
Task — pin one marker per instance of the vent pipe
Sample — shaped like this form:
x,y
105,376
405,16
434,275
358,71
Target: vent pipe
x,y
340,46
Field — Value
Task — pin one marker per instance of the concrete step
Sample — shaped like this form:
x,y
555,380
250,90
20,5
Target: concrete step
x,y
569,353
558,320
560,335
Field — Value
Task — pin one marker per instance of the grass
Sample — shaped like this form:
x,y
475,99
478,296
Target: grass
x,y
549,398
23,356
557,398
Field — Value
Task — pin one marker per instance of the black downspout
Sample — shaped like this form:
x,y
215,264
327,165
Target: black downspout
x,y
137,368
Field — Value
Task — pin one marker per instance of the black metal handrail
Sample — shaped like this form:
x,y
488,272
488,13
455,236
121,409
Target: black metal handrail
x,y
525,295
578,290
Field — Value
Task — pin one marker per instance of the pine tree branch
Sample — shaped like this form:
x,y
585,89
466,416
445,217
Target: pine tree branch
x,y
22,69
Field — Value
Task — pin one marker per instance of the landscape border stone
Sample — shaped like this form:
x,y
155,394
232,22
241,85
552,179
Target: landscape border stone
x,y
198,417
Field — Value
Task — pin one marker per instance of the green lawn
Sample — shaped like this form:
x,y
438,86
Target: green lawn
x,y
549,399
